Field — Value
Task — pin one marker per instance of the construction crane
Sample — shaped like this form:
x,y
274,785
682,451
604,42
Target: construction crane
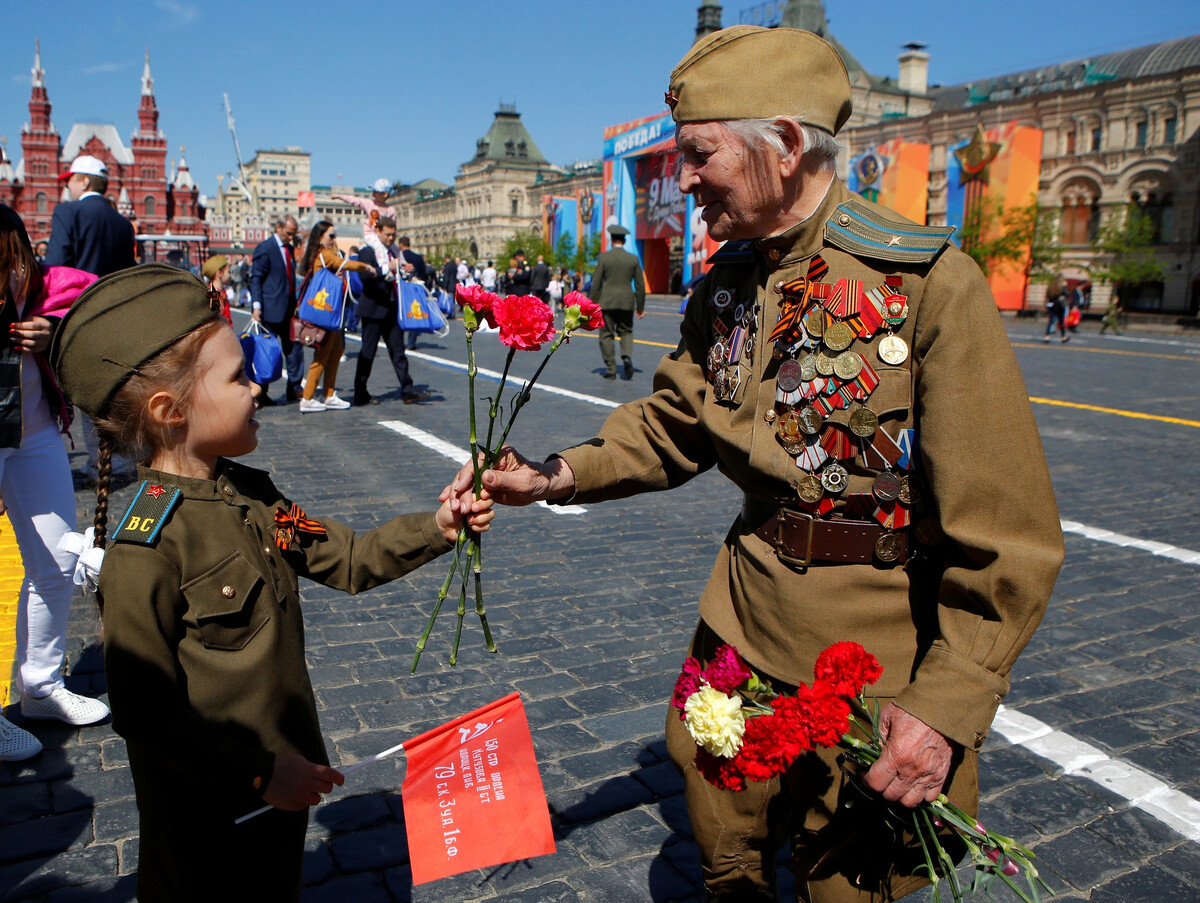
x,y
251,196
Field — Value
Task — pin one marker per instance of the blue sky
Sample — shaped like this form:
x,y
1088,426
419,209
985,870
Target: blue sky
x,y
403,90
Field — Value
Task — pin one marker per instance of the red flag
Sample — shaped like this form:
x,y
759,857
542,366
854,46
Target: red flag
x,y
472,795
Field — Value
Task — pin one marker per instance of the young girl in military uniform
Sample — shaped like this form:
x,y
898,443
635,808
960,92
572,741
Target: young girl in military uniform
x,y
204,642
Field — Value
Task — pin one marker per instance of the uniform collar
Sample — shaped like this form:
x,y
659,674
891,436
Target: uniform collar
x,y
804,239
192,488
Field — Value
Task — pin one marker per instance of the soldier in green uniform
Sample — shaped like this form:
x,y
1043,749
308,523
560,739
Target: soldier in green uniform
x,y
203,636
829,335
619,287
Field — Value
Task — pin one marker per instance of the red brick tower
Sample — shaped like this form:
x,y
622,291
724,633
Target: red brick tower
x,y
40,188
183,201
147,182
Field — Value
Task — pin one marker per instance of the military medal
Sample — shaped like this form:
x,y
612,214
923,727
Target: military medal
x,y
809,488
814,322
895,309
808,367
838,337
887,486
811,421
893,350
824,363
910,491
834,478
887,548
790,375
722,298
864,423
848,365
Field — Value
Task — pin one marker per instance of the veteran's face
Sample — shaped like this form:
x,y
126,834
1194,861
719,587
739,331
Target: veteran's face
x,y
739,191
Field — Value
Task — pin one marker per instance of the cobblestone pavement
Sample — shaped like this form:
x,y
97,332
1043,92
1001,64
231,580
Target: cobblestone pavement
x,y
592,613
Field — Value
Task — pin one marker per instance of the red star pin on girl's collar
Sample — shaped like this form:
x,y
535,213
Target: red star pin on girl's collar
x,y
155,491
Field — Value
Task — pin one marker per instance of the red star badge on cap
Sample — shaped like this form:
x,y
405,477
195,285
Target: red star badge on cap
x,y
671,99
155,491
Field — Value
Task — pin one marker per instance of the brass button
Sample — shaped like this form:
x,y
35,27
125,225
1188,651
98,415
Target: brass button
x,y
228,490
844,219
227,591
779,285
774,254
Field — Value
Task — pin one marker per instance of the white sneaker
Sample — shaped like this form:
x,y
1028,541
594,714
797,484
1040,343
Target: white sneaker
x,y
311,406
333,403
64,705
17,744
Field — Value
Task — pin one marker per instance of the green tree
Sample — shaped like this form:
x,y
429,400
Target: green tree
x,y
584,259
531,242
564,251
1124,250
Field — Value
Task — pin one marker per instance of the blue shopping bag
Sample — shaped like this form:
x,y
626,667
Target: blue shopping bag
x,y
264,355
417,312
445,303
324,300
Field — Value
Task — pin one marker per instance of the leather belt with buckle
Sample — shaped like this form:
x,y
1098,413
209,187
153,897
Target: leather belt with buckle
x,y
799,538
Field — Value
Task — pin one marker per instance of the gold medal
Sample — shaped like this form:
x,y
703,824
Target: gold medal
x,y
864,423
848,365
808,367
788,427
824,363
893,350
887,486
811,421
814,322
834,478
809,488
887,548
910,490
838,337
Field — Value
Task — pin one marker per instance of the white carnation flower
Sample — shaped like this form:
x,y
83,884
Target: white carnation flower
x,y
715,721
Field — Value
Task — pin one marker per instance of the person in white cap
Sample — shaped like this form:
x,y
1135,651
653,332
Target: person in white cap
x,y
374,209
87,233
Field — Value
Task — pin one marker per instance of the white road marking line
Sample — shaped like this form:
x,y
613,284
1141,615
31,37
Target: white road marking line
x,y
515,381
1142,789
1161,549
459,456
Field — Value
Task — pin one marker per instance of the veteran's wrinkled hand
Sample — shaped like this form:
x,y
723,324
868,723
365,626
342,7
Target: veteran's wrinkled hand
x,y
515,480
915,759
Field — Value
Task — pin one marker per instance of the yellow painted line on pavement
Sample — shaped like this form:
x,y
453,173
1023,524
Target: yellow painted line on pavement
x,y
11,576
592,335
1136,415
1168,357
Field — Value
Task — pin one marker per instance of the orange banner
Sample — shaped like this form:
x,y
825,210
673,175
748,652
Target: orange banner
x,y
1013,180
473,796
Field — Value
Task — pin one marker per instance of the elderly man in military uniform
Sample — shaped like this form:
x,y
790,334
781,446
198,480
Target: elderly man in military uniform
x,y
619,287
828,336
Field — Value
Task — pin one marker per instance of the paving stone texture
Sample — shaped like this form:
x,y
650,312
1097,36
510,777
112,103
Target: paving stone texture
x,y
592,614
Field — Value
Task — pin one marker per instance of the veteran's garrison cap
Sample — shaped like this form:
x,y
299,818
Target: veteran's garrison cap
x,y
119,323
748,72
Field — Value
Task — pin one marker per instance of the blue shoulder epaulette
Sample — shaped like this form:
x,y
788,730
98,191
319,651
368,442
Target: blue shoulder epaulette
x,y
144,519
858,230
733,252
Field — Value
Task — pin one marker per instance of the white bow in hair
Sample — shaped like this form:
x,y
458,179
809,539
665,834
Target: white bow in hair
x,y
87,567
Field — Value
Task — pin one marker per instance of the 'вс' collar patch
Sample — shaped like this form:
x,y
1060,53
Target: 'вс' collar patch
x,y
145,517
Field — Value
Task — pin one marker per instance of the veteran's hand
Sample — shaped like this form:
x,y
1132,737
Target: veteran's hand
x,y
915,760
297,783
515,480
31,335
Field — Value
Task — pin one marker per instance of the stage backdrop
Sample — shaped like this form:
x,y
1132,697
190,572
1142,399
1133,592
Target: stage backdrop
x,y
895,174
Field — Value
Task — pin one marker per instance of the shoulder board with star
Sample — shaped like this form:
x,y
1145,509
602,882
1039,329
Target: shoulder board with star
x,y
733,252
861,231
144,518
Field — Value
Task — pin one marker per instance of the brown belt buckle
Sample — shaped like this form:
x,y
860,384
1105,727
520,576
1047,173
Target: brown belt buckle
x,y
788,517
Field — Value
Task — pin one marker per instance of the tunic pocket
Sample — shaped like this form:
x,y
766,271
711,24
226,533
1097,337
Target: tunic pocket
x,y
224,604
893,396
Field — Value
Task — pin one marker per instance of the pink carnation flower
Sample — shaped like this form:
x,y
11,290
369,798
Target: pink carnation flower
x,y
686,684
480,301
591,317
726,671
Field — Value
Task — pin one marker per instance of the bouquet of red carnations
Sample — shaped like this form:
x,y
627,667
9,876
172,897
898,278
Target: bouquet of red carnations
x,y
525,323
745,731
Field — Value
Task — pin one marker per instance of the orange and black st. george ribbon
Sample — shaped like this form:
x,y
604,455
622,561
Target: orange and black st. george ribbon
x,y
293,524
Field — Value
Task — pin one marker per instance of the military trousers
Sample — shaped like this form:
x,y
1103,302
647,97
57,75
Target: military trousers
x,y
617,323
842,850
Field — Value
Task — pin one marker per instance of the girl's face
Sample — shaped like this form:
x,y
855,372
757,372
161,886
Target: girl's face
x,y
329,240
220,417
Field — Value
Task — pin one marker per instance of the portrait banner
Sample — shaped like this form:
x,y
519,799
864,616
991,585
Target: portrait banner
x,y
473,796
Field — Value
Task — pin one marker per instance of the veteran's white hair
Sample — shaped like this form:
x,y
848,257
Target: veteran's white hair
x,y
769,133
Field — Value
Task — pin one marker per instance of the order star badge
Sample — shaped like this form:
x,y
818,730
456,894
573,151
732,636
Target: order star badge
x,y
155,491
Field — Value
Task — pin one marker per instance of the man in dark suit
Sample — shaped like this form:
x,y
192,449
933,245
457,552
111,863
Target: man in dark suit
x,y
539,280
86,232
619,287
377,314
273,299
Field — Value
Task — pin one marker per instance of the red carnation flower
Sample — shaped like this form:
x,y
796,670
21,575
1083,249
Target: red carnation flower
x,y
848,668
591,317
686,684
480,301
525,322
723,773
726,671
770,745
826,714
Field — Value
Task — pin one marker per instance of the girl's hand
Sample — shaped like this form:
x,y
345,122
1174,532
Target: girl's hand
x,y
297,783
478,513
31,335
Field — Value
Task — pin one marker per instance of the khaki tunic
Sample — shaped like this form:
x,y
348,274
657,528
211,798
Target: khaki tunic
x,y
204,651
618,282
948,627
